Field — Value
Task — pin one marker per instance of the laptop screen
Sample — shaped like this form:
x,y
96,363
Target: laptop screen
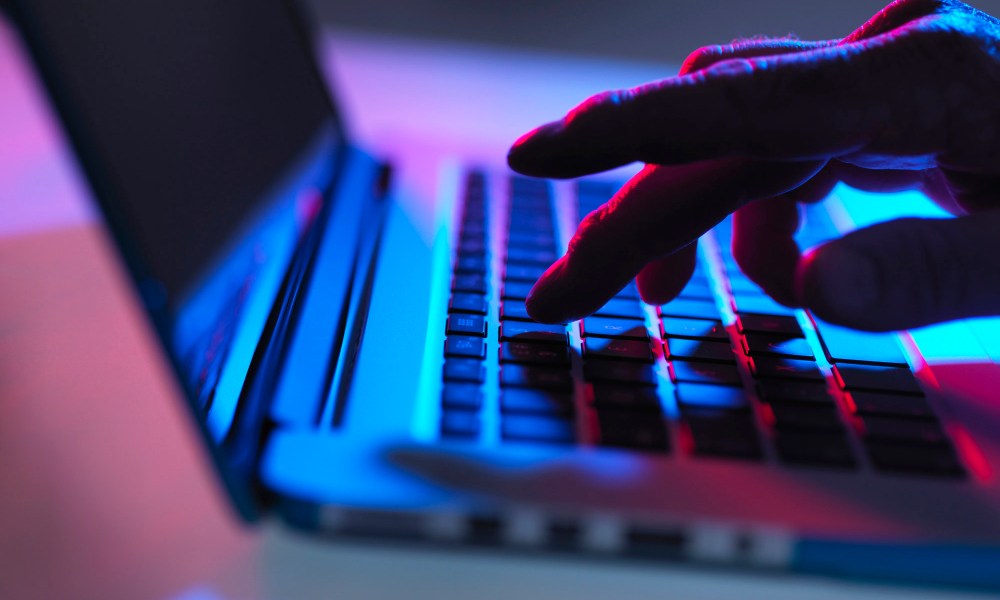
x,y
191,109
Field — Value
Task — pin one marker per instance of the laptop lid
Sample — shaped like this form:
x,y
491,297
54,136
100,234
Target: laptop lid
x,y
210,142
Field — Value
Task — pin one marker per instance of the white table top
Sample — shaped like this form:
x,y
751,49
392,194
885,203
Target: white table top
x,y
105,493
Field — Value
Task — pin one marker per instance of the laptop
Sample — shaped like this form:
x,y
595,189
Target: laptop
x,y
360,367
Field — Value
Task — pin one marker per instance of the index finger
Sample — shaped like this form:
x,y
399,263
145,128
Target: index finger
x,y
660,211
813,104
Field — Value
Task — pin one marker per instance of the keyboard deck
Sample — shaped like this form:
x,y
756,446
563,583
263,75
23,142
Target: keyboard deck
x,y
721,373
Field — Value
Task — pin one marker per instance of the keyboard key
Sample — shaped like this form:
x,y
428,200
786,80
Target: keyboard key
x,y
518,272
880,403
701,396
515,400
461,345
472,247
530,331
622,308
723,434
698,309
475,284
630,292
877,378
639,431
625,397
531,256
785,368
697,289
787,416
464,396
514,309
530,376
614,328
759,304
848,345
782,390
468,303
693,328
464,369
761,344
618,349
475,265
909,459
466,325
516,290
775,324
903,430
684,349
705,372
531,353
815,449
537,429
459,424
532,240
619,371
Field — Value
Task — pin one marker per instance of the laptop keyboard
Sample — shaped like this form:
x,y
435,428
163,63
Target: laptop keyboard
x,y
722,372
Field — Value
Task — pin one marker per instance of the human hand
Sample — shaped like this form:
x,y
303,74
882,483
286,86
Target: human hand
x,y
909,100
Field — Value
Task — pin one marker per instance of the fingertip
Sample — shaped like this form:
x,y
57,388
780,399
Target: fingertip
x,y
532,153
842,285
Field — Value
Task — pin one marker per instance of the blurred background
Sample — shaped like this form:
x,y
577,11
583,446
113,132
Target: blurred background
x,y
647,30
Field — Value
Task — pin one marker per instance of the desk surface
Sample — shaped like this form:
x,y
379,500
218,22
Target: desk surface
x,y
105,493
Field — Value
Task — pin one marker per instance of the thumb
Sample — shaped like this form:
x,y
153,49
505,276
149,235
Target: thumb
x,y
906,273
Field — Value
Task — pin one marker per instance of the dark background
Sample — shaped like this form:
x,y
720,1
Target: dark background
x,y
663,31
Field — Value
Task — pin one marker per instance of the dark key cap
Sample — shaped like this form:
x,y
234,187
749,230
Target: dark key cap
x,y
517,272
459,424
464,369
877,378
776,324
700,396
785,368
614,328
548,378
789,416
619,371
475,265
705,372
640,431
880,403
693,328
848,345
468,303
762,344
815,449
698,309
622,308
466,325
531,353
465,396
924,460
595,347
462,345
760,304
471,247
514,309
532,240
626,397
469,283
529,331
723,434
516,290
531,256
537,429
516,400
684,349
903,430
775,390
